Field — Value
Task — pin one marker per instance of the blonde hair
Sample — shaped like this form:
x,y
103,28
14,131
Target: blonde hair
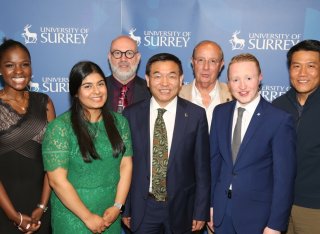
x,y
245,57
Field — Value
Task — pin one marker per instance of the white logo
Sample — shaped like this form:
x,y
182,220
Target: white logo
x,y
136,38
237,43
28,36
33,86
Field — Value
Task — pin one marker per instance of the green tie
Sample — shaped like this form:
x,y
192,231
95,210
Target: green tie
x,y
160,158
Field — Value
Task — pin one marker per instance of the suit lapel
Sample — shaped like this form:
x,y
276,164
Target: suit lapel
x,y
229,121
254,123
144,128
178,131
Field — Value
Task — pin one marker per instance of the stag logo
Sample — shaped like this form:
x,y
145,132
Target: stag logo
x,y
136,38
237,43
28,36
33,86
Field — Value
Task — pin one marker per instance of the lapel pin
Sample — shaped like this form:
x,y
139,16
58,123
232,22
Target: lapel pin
x,y
258,114
185,114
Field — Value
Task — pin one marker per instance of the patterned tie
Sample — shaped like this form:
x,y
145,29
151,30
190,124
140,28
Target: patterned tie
x,y
160,158
123,100
236,140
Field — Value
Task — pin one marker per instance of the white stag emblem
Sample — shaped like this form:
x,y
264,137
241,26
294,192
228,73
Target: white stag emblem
x,y
237,44
136,38
33,86
29,37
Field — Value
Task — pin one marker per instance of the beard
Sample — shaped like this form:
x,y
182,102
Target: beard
x,y
124,75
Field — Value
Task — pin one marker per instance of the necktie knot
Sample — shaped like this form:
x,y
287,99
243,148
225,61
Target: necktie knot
x,y
161,112
240,112
124,89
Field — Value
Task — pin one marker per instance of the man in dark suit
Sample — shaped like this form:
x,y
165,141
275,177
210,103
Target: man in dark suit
x,y
253,160
177,200
124,86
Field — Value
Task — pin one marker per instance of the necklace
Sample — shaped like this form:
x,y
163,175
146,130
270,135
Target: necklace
x,y
13,102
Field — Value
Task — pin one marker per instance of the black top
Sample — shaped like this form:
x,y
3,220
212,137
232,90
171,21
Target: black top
x,y
21,167
307,120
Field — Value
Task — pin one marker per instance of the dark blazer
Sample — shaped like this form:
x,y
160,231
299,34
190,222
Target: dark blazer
x,y
263,175
188,175
140,92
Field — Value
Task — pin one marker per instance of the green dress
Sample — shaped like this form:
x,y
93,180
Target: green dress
x,y
95,182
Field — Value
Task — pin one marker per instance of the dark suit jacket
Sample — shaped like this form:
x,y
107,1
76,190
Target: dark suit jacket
x,y
263,174
140,92
188,175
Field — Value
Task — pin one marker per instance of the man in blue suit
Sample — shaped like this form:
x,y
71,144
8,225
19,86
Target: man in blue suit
x,y
253,160
185,201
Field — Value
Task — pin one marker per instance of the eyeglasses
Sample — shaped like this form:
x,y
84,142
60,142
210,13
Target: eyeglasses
x,y
212,62
118,54
171,75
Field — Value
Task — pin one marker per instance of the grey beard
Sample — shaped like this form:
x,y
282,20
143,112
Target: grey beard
x,y
123,76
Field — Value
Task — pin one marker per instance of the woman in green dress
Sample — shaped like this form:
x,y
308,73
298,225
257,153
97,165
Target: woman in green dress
x,y
87,154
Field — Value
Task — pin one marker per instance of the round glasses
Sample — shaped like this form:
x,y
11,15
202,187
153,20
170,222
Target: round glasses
x,y
118,54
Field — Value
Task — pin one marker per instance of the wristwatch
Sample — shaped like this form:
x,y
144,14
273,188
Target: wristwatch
x,y
43,207
119,206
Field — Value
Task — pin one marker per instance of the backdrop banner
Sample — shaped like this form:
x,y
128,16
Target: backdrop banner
x,y
60,33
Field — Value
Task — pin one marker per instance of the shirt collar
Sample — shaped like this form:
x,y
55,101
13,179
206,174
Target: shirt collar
x,y
171,107
250,107
197,94
119,85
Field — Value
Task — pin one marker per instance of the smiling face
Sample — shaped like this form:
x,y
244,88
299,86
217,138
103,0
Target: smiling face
x,y
305,72
92,93
15,67
244,81
164,81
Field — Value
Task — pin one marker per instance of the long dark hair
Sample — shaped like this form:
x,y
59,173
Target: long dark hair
x,y
78,116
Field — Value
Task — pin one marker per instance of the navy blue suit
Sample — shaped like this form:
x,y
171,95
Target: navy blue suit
x,y
188,173
262,176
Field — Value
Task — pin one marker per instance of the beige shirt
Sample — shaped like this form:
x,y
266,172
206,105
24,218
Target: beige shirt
x,y
220,94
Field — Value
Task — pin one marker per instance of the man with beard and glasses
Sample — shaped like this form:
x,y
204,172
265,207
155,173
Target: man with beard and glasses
x,y
124,86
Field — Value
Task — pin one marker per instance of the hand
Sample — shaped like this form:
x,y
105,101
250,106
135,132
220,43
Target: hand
x,y
110,215
197,225
95,223
126,221
270,231
36,216
26,225
210,224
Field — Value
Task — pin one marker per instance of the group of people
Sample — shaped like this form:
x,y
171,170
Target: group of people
x,y
160,156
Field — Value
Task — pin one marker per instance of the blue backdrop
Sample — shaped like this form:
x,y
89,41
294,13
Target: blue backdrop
x,y
60,33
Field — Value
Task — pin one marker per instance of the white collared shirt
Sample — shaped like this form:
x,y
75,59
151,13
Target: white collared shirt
x,y
250,108
215,100
169,118
247,115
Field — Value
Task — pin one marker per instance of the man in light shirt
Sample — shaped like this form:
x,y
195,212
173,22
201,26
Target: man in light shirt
x,y
253,161
169,193
206,90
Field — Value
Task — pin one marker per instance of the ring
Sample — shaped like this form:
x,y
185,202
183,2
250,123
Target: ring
x,y
28,226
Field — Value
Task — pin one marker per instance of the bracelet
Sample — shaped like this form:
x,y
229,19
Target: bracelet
x,y
21,219
43,207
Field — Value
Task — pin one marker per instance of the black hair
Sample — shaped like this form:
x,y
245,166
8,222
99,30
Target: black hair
x,y
162,57
80,121
306,45
9,44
